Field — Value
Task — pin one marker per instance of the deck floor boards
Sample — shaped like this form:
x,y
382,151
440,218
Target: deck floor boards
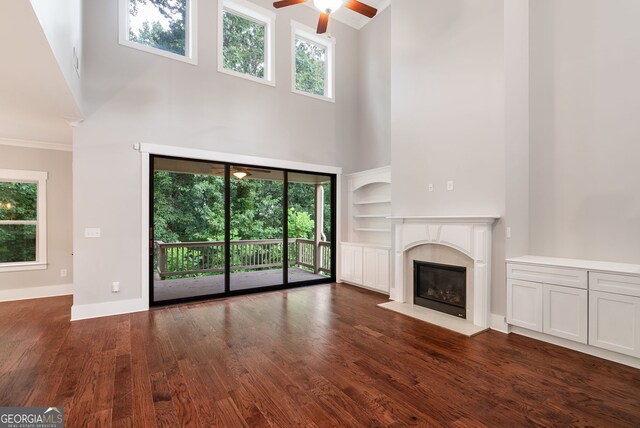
x,y
172,289
314,356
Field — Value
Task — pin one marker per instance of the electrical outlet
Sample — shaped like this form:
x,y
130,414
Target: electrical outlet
x,y
431,187
508,232
450,185
63,273
115,286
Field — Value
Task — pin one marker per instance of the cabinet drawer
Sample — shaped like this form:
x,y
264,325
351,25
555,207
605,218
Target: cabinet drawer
x,y
548,275
618,284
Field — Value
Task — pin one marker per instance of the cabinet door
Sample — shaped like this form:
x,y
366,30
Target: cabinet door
x,y
524,304
352,264
382,270
346,265
614,322
369,267
357,265
565,312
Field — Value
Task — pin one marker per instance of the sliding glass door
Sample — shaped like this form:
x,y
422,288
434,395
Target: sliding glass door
x,y
188,213
256,228
309,226
221,229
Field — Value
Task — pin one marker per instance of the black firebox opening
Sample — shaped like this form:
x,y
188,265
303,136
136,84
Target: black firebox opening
x,y
440,287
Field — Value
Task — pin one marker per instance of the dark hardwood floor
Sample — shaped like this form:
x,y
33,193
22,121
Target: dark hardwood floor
x,y
318,356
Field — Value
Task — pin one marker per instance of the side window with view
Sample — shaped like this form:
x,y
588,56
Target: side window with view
x,y
22,220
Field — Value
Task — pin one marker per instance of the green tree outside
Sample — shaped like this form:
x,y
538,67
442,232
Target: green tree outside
x,y
310,67
18,202
154,34
243,45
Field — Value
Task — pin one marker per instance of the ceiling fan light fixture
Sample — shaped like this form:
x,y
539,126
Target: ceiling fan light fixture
x,y
240,174
328,6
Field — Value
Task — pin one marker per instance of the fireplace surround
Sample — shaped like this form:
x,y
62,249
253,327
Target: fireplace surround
x,y
469,236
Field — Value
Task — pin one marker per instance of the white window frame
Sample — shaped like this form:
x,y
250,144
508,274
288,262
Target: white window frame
x,y
39,178
258,14
191,32
308,34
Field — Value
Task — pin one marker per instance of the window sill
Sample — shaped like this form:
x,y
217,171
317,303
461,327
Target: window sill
x,y
156,51
17,267
317,97
247,76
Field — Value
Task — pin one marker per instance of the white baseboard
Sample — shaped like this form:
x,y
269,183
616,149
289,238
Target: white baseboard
x,y
499,323
591,350
97,310
35,292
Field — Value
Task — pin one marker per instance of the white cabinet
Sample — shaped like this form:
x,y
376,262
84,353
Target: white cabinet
x,y
376,268
369,267
549,300
590,302
352,263
366,265
524,304
565,312
614,319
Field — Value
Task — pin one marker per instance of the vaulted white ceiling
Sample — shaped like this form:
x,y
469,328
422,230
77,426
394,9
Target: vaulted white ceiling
x,y
34,96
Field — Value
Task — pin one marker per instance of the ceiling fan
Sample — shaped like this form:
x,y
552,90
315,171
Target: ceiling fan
x,y
327,7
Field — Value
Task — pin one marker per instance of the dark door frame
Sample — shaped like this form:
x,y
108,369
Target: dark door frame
x,y
227,213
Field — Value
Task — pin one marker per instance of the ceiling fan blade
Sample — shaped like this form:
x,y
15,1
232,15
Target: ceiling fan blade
x,y
285,3
361,8
323,23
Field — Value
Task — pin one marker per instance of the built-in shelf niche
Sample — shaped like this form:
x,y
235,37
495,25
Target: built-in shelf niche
x,y
370,206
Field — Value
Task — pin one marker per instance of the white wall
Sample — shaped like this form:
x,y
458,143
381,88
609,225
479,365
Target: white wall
x,y
585,133
23,284
516,52
374,148
131,96
61,23
447,107
448,114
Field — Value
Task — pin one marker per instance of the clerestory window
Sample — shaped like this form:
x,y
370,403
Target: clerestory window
x,y
161,27
313,65
246,41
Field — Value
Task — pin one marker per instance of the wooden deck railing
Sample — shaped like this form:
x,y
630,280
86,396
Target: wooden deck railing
x,y
187,258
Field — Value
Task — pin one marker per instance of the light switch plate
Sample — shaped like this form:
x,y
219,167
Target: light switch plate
x,y
92,232
450,185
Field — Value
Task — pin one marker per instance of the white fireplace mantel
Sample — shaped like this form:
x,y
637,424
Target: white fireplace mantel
x,y
470,235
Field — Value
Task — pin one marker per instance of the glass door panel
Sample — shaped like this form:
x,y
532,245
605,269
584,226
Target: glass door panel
x,y
309,227
188,223
256,231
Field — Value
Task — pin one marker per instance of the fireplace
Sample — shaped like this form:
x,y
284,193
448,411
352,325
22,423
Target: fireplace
x,y
440,287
